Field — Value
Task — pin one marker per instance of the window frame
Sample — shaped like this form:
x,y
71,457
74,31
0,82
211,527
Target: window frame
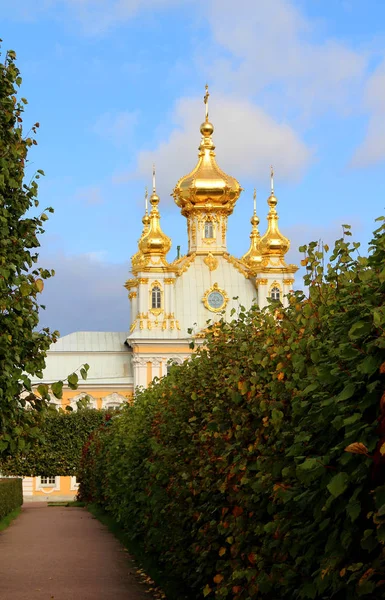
x,y
156,295
44,486
274,289
210,228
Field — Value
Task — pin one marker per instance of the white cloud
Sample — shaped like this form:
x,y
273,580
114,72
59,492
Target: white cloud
x,y
247,141
90,195
86,293
117,128
273,49
372,149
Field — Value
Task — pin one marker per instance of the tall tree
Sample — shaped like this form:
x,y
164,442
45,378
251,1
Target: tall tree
x,y
23,346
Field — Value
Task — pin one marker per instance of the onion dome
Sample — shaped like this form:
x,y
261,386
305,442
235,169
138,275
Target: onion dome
x,y
273,243
253,257
207,186
135,260
154,241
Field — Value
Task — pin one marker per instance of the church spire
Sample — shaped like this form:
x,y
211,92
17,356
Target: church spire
x,y
273,243
253,257
207,187
154,242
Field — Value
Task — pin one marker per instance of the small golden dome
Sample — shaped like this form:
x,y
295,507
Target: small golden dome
x,y
273,243
207,186
253,256
154,241
146,222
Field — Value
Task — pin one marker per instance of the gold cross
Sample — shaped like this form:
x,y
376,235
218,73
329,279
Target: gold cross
x,y
206,101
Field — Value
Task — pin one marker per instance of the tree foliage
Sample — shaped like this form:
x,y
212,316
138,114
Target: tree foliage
x,y
11,496
59,448
257,468
22,346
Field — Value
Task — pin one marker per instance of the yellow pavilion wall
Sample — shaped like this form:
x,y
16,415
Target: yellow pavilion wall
x,y
65,493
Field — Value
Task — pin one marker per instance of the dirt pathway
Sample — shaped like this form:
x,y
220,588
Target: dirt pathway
x,y
64,554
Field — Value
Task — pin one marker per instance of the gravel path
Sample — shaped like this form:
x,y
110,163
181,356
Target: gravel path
x,y
64,554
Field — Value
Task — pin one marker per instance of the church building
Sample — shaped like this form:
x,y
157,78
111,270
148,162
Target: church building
x,y
169,298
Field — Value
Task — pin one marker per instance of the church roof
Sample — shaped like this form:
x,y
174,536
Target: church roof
x,y
91,341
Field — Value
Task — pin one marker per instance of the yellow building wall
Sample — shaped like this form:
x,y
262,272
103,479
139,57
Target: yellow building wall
x,y
65,490
98,394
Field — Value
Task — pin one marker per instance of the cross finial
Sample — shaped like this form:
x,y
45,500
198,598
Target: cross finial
x,y
255,201
146,199
206,101
272,179
153,180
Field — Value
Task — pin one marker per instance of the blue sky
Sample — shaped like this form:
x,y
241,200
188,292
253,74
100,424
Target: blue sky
x,y
118,84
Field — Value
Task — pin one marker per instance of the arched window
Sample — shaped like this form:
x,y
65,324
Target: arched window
x,y
209,230
275,293
156,298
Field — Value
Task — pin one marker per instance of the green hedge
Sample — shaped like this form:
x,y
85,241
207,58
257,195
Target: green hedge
x,y
11,496
58,450
257,469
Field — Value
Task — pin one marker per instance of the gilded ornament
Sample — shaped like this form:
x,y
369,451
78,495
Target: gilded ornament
x,y
131,283
261,281
288,281
238,264
211,261
215,299
169,280
132,295
143,280
133,325
224,228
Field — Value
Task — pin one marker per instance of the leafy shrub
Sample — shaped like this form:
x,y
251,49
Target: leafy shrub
x,y
11,496
257,468
58,449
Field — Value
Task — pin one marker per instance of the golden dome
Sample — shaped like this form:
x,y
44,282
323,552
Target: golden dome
x,y
253,256
273,243
207,186
154,241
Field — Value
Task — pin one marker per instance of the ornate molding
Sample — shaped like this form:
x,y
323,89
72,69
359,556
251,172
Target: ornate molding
x,y
238,264
261,281
143,280
114,398
131,283
132,295
288,281
205,299
170,280
211,261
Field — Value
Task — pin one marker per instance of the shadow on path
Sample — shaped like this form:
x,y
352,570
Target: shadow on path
x,y
61,553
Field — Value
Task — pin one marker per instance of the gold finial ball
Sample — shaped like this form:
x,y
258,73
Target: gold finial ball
x,y
207,129
254,220
154,199
146,220
272,201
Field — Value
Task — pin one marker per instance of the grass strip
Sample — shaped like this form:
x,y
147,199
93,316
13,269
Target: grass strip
x,y
7,520
67,503
148,563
